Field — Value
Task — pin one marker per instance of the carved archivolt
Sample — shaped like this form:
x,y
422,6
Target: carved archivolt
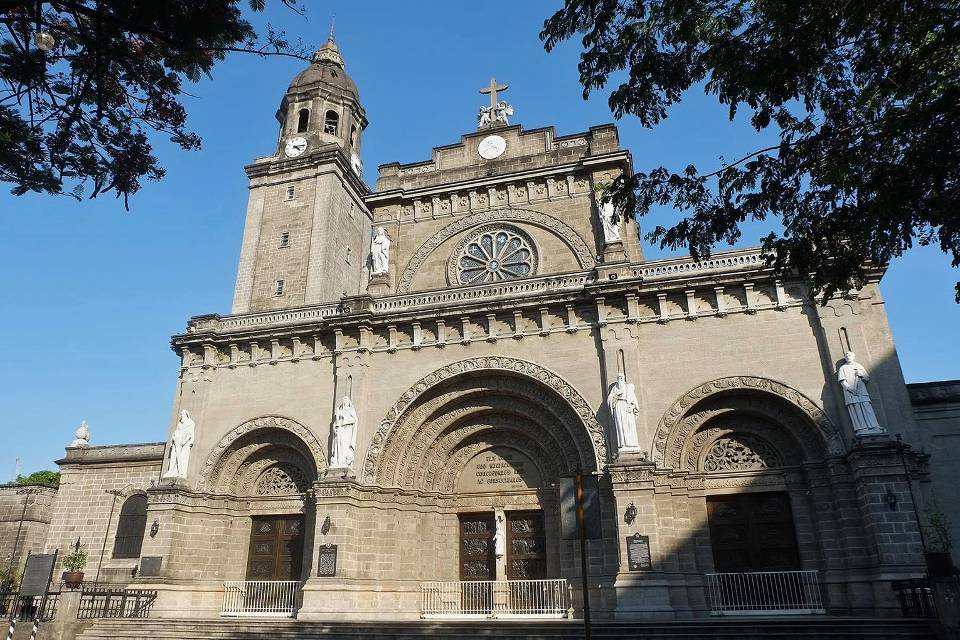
x,y
563,231
557,392
230,453
777,402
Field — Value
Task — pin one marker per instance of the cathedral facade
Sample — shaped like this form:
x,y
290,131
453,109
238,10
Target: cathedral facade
x,y
411,374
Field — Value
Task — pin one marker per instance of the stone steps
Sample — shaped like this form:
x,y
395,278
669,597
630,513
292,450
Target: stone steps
x,y
826,628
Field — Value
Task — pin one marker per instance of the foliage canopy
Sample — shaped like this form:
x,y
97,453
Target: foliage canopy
x,y
84,82
864,96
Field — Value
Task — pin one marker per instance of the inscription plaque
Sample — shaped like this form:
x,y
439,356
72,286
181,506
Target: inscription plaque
x,y
498,469
327,562
37,574
638,553
150,566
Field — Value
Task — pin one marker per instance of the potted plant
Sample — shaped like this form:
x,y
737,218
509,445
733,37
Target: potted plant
x,y
74,562
939,544
8,580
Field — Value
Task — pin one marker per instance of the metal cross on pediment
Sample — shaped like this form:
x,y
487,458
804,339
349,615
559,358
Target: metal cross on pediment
x,y
492,90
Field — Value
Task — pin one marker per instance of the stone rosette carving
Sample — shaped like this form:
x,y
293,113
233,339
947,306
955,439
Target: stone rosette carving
x,y
306,436
518,257
563,391
680,420
563,231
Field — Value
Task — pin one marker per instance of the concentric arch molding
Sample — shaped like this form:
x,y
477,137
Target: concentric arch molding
x,y
562,230
669,427
564,390
264,422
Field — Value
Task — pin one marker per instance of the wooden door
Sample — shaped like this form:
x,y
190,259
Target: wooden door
x,y
752,532
526,546
276,548
477,561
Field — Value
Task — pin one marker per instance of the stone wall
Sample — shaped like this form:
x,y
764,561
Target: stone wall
x,y
936,409
84,502
38,501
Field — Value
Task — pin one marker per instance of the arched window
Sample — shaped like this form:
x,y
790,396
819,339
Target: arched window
x,y
353,137
303,120
133,521
331,122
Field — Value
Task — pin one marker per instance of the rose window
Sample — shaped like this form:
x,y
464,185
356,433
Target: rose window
x,y
492,255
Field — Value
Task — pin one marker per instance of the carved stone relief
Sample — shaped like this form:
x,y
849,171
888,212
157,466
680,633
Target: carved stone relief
x,y
561,229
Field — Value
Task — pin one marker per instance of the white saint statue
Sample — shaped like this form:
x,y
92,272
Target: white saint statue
x,y
500,538
380,252
611,229
343,440
181,442
853,378
624,407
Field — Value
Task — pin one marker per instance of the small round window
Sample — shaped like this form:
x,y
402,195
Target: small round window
x,y
492,255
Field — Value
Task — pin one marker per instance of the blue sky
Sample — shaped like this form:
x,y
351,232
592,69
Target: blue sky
x,y
93,293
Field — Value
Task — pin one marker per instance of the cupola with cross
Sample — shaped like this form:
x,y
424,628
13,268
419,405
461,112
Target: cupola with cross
x,y
322,106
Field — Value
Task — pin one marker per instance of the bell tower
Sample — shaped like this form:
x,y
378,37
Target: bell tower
x,y
304,241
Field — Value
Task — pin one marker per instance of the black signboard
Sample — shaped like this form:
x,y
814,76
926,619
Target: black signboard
x,y
591,508
638,553
327,563
37,574
150,566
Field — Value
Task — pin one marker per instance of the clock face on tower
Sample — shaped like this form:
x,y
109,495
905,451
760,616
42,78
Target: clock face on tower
x,y
295,147
491,147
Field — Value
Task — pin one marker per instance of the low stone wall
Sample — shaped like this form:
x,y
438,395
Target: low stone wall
x,y
38,501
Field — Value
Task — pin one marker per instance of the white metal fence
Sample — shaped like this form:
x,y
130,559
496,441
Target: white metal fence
x,y
494,599
260,597
765,592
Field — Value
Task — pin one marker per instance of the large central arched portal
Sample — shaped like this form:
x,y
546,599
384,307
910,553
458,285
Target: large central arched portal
x,y
494,435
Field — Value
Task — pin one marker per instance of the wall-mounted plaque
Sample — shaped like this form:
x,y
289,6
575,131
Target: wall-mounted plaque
x,y
638,553
327,563
150,566
37,574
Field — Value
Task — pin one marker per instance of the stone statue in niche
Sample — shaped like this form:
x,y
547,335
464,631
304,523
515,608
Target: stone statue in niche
x,y
343,439
380,252
181,442
500,538
624,408
853,378
81,438
611,228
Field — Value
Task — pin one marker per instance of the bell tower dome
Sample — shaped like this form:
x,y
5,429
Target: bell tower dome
x,y
322,105
307,227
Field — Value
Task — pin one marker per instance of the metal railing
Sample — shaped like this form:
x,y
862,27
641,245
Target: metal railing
x,y
260,597
114,602
915,598
765,592
494,599
13,606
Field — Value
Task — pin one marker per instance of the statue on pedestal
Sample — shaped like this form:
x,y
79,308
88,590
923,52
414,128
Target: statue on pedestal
x,y
854,378
380,252
611,229
343,439
500,538
624,408
181,442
